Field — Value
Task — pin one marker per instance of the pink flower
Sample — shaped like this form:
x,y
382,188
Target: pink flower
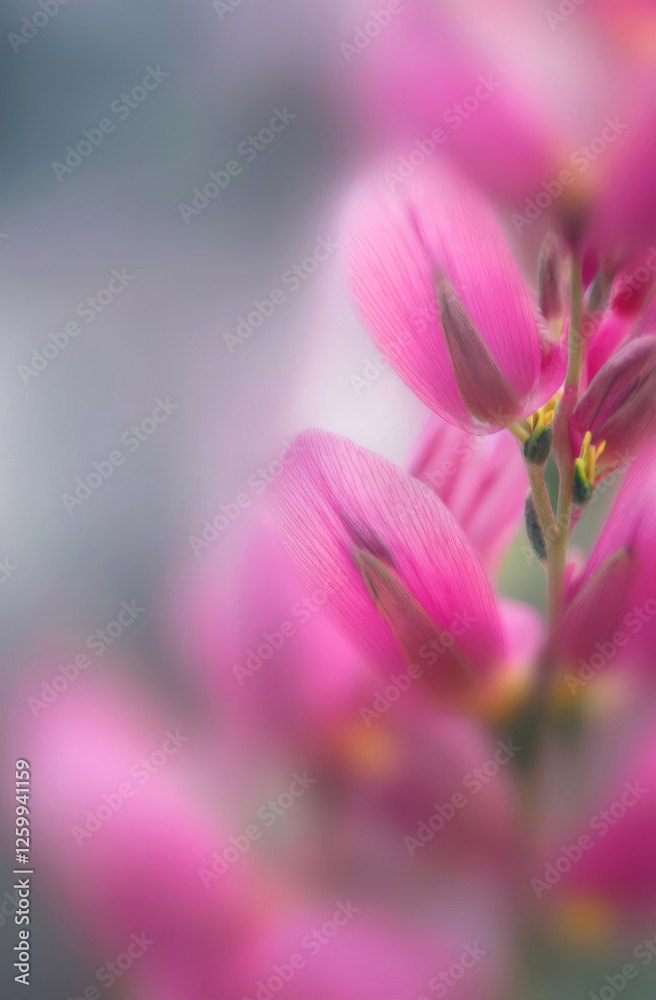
x,y
422,83
621,866
380,953
615,809
605,336
403,581
482,480
123,842
440,293
618,408
268,659
624,218
611,617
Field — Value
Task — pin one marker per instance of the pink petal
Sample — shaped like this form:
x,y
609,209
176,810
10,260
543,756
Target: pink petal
x,y
615,592
621,866
269,659
624,220
410,80
482,480
400,240
525,634
619,405
380,953
333,497
605,340
136,869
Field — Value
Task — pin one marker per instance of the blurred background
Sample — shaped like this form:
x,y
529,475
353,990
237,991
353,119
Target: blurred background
x,y
150,380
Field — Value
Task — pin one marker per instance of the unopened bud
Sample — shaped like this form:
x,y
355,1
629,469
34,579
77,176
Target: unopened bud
x,y
581,487
485,390
585,470
533,529
368,540
538,446
413,627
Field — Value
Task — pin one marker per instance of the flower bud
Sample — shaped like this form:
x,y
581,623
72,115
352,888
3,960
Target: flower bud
x,y
484,389
582,486
585,470
533,529
437,287
538,446
618,408
367,540
412,627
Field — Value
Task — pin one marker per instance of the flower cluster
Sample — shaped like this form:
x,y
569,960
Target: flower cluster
x,y
393,780
529,387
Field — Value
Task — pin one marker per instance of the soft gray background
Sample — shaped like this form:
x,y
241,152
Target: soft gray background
x,y
163,335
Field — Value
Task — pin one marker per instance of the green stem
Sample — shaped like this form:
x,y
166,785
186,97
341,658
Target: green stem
x,y
556,534
549,528
563,521
566,459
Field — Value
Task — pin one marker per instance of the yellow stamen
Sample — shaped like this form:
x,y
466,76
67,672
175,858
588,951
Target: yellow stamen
x,y
543,417
586,463
521,429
